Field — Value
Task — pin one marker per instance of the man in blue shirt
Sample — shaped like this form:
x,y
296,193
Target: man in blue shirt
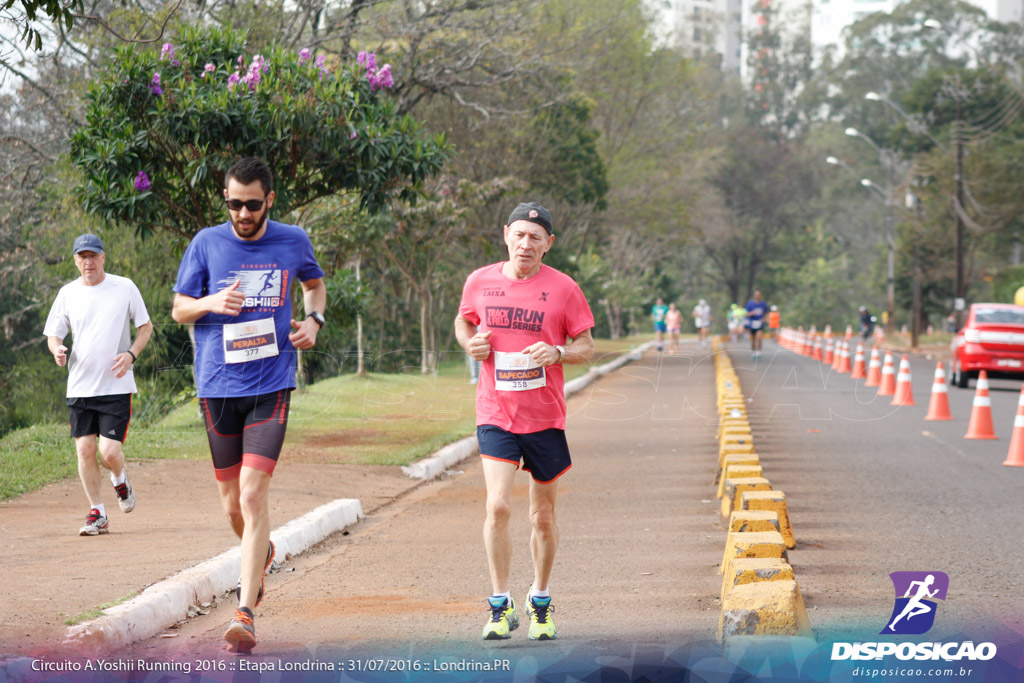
x,y
756,309
234,285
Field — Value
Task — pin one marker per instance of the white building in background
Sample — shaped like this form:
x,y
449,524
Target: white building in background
x,y
704,28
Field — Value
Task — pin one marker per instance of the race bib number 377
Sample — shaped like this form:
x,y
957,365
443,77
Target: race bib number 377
x,y
249,341
517,372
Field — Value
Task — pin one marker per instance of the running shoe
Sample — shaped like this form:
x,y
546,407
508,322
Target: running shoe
x,y
241,633
541,626
125,496
263,581
95,524
504,618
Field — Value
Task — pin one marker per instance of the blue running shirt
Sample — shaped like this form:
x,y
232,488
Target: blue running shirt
x,y
267,269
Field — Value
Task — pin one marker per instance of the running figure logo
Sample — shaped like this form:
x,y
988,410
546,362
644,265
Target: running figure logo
x,y
914,612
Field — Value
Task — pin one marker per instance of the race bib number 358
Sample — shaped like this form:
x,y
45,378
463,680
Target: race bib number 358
x,y
249,341
517,372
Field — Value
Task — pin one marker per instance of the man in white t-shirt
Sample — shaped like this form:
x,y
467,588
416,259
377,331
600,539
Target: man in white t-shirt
x,y
97,309
702,321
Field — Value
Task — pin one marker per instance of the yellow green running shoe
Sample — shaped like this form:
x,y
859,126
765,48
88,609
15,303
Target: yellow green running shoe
x,y
504,618
541,626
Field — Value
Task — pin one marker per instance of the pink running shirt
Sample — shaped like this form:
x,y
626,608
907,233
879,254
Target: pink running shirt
x,y
548,307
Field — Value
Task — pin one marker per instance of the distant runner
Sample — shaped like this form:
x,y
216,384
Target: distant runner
x,y
674,321
658,312
702,321
756,309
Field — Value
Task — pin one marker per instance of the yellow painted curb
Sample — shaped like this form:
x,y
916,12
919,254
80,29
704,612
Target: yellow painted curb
x,y
737,472
764,608
733,449
746,520
745,544
733,488
745,570
774,501
737,459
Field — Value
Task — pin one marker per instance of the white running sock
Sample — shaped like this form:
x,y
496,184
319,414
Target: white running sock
x,y
103,510
506,594
117,480
534,593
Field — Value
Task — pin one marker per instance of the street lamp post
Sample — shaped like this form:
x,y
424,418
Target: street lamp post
x,y
890,237
917,126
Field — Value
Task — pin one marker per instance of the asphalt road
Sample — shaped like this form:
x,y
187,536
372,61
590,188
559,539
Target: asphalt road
x,y
875,489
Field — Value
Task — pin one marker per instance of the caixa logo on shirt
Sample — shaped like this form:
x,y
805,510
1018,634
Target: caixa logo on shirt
x,y
514,318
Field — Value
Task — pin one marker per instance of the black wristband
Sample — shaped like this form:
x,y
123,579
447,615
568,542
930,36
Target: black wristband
x,y
129,352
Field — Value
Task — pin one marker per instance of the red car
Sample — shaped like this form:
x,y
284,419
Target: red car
x,y
992,339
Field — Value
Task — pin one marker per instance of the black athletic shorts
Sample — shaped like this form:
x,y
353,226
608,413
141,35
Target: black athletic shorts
x,y
247,430
545,454
107,416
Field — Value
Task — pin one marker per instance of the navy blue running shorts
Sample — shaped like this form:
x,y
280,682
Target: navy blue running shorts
x,y
107,416
247,430
545,454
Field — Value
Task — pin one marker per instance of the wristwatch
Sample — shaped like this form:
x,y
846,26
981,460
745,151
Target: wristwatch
x,y
561,351
318,318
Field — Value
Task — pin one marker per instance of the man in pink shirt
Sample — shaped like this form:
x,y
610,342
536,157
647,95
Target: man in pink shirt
x,y
523,320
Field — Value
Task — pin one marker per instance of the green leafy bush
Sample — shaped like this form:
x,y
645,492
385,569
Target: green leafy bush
x,y
163,127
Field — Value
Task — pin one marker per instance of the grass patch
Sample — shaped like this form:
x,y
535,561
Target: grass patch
x,y
380,419
96,611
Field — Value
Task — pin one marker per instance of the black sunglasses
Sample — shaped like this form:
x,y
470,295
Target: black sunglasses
x,y
253,205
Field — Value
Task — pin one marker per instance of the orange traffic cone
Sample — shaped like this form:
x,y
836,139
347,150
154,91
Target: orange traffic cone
x,y
1015,458
830,354
849,332
904,395
808,344
858,363
980,426
938,406
839,355
874,369
887,387
817,349
844,359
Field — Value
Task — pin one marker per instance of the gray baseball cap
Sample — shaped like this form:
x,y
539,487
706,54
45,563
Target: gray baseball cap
x,y
88,242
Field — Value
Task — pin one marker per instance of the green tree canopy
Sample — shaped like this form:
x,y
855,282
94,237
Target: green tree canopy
x,y
163,127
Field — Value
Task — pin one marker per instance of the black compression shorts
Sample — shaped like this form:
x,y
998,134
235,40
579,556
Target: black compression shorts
x,y
246,431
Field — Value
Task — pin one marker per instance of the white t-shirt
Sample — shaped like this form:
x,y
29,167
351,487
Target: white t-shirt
x,y
702,315
98,318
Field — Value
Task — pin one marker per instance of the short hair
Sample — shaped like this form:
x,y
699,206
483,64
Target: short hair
x,y
251,169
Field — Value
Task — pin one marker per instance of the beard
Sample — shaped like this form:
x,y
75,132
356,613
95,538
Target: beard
x,y
247,231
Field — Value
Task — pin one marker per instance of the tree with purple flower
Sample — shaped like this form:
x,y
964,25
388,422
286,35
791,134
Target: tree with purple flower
x,y
303,127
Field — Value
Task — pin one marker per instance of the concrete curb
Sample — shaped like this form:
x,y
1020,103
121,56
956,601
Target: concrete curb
x,y
165,602
435,464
